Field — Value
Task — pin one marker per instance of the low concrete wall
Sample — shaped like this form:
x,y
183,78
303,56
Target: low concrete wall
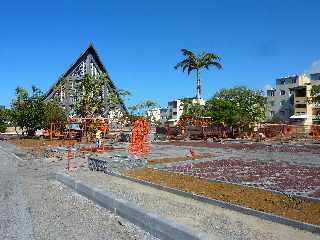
x,y
156,225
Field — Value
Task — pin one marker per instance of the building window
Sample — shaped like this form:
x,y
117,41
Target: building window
x,y
282,82
79,70
301,105
294,80
282,113
173,104
271,113
315,76
282,102
301,92
282,92
270,93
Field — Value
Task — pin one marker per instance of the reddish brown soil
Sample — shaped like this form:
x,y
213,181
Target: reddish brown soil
x,y
279,204
38,146
36,143
279,176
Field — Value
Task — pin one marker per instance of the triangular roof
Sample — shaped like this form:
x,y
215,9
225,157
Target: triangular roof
x,y
89,50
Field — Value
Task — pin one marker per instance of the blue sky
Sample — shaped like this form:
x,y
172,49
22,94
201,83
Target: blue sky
x,y
140,41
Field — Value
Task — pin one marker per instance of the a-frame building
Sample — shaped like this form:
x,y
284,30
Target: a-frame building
x,y
87,63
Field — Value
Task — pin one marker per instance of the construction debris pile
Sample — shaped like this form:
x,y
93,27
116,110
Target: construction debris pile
x,y
115,163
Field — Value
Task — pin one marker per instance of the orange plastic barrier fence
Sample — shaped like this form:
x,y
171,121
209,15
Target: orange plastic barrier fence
x,y
139,140
286,131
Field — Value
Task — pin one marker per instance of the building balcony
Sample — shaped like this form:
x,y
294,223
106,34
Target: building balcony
x,y
300,111
300,100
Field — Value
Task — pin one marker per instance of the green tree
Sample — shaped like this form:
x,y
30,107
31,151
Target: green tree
x,y
315,94
55,114
222,112
3,119
194,110
27,111
115,100
142,107
248,106
90,101
95,98
194,62
31,112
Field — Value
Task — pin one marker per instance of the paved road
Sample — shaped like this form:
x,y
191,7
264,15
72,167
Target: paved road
x,y
15,217
31,207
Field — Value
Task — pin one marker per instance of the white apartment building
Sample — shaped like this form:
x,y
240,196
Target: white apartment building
x,y
175,108
163,115
157,115
280,99
288,100
153,114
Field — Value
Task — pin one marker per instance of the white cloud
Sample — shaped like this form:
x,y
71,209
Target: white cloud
x,y
267,87
314,67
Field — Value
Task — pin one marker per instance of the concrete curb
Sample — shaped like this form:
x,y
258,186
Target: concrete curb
x,y
156,225
263,215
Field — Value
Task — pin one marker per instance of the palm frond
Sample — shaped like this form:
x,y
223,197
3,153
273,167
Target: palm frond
x,y
183,63
189,54
208,64
196,62
190,69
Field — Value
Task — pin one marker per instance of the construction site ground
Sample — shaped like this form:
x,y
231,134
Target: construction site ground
x,y
32,207
216,221
291,168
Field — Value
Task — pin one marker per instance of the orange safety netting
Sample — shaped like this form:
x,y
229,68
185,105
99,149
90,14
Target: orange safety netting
x,y
290,131
102,126
315,131
139,140
187,120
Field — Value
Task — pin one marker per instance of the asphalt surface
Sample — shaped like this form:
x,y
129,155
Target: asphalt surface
x,y
32,207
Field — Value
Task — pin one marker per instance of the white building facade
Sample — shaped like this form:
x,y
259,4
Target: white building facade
x,y
288,101
175,108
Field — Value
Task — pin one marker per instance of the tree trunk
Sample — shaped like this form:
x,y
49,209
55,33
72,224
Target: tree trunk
x,y
198,96
15,129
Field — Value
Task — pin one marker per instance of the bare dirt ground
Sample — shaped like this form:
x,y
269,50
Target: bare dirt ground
x,y
284,169
280,204
294,147
279,176
291,169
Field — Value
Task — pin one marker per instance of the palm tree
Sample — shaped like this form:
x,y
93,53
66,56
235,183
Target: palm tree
x,y
197,62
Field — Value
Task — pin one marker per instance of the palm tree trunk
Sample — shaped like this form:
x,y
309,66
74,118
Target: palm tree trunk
x,y
198,85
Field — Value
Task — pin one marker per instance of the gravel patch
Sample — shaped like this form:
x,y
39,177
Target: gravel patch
x,y
115,163
67,215
301,158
